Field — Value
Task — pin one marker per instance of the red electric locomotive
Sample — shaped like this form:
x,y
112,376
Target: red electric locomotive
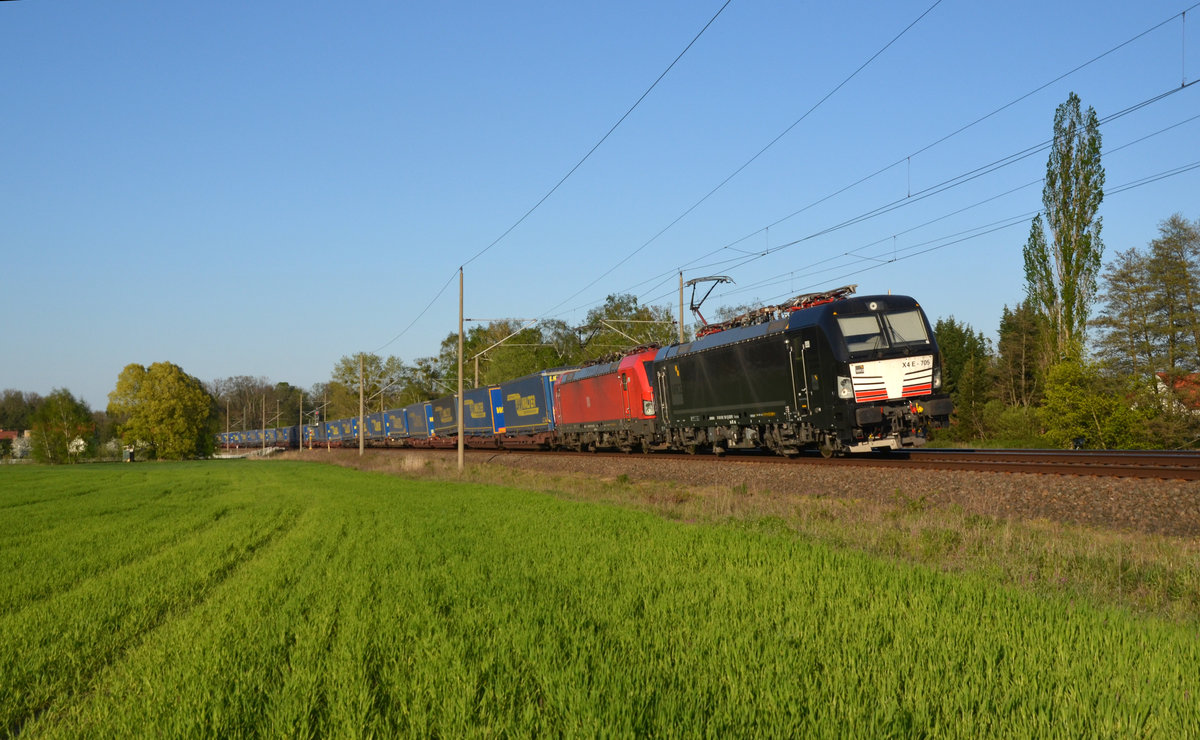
x,y
608,405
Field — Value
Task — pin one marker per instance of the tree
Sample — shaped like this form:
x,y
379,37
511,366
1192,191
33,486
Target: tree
x,y
505,349
423,382
966,373
1150,326
1018,368
1061,273
1125,342
240,400
1081,406
61,427
165,409
622,324
17,409
383,384
1174,276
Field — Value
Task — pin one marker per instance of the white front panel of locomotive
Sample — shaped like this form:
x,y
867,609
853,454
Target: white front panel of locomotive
x,y
889,380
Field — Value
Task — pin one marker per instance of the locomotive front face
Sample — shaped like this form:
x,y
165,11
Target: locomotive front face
x,y
889,371
890,352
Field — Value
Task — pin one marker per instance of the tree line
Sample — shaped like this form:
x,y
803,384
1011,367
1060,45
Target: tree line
x,y
494,352
1059,377
161,411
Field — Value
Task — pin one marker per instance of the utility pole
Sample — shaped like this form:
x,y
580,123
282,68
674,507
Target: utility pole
x,y
264,426
681,306
361,405
460,370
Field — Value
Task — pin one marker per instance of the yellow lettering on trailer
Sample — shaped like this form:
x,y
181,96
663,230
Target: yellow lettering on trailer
x,y
525,405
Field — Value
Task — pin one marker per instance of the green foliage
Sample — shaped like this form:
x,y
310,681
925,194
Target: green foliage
x,y
1019,367
287,600
1150,321
1150,328
621,324
505,349
1012,426
1174,274
62,428
1081,405
966,376
502,350
1126,337
383,382
17,409
1061,271
164,409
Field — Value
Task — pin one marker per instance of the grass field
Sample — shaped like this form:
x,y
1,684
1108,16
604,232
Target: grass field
x,y
239,599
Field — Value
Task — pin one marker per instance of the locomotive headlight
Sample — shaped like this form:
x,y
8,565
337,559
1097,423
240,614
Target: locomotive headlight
x,y
845,387
937,379
648,408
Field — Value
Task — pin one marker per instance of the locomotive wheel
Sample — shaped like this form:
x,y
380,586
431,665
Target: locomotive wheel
x,y
828,449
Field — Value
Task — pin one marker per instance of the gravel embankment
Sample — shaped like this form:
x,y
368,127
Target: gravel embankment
x,y
1157,507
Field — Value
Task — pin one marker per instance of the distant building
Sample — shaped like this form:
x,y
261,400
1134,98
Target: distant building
x,y
1185,390
9,434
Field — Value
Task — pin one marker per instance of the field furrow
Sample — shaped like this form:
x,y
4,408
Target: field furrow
x,y
328,602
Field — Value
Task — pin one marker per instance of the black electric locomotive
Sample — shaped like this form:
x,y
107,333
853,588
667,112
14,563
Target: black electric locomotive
x,y
831,371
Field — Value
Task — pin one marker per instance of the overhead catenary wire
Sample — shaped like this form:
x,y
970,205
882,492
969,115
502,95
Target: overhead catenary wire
x,y
748,162
942,242
866,215
744,258
955,181
596,146
562,180
667,274
1112,191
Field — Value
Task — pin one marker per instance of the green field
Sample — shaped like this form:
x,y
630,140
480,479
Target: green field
x,y
231,599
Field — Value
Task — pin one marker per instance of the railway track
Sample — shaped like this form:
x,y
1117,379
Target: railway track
x,y
1108,463
1155,465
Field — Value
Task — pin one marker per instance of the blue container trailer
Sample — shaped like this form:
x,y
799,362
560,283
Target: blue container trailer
x,y
444,421
477,413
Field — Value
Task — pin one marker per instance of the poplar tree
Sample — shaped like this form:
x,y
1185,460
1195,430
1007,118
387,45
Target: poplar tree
x,y
1062,266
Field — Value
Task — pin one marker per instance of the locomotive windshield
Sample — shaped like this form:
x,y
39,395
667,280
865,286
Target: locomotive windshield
x,y
874,332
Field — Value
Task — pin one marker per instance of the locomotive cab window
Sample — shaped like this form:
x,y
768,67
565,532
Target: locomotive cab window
x,y
862,333
906,328
875,332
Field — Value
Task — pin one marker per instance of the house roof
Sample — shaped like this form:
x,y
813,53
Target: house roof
x,y
1186,388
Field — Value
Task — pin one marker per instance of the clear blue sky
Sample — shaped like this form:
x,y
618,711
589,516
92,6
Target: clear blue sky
x,y
262,188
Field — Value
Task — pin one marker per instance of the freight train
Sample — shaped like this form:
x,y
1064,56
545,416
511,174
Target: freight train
x,y
829,371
